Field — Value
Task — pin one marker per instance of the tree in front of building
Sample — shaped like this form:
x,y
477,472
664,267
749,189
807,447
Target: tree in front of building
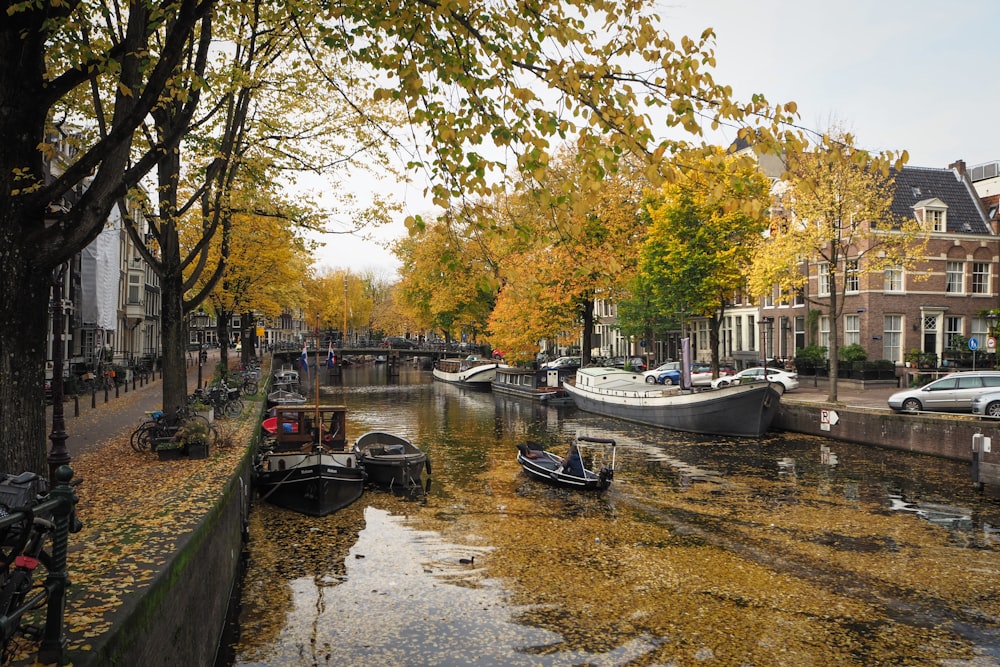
x,y
705,228
833,220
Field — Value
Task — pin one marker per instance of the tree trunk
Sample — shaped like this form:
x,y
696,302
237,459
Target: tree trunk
x,y
24,302
175,341
834,340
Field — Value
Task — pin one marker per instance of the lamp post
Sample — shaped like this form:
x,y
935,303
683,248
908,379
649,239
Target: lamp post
x,y
764,323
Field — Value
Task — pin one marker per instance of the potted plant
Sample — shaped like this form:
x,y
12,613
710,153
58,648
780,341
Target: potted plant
x,y
202,408
193,438
169,449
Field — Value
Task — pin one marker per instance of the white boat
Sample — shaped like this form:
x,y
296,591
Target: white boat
x,y
740,410
470,371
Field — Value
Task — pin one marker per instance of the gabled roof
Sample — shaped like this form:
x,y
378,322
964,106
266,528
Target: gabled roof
x,y
917,185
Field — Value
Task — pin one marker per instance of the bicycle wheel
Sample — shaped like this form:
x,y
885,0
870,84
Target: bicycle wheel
x,y
249,387
234,408
141,436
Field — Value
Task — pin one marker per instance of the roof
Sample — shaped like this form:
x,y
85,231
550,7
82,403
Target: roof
x,y
916,185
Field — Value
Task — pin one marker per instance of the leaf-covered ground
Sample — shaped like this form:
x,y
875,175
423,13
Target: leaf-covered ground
x,y
133,508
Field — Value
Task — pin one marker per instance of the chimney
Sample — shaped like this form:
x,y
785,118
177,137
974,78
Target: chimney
x,y
958,165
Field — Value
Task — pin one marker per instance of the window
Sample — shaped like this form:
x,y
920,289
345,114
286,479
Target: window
x,y
134,288
980,278
935,220
823,277
892,337
894,279
853,283
852,329
979,331
800,333
824,331
952,329
955,277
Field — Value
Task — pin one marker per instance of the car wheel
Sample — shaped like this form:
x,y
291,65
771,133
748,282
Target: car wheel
x,y
650,379
669,380
723,383
993,409
912,405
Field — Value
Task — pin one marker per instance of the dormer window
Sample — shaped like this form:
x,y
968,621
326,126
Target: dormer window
x,y
932,213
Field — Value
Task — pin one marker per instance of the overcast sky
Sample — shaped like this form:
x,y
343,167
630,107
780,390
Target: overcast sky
x,y
910,75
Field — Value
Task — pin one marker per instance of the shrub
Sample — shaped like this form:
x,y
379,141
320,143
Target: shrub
x,y
852,352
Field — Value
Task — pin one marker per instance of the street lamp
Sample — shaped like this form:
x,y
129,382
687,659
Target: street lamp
x,y
59,454
764,323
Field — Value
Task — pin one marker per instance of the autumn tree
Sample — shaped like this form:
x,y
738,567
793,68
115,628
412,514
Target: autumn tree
x,y
565,252
517,77
705,229
833,214
447,284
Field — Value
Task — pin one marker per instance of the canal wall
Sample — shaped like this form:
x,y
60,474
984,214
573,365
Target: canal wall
x,y
948,436
179,618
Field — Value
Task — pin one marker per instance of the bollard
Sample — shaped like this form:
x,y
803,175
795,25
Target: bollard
x,y
93,397
116,390
76,405
106,393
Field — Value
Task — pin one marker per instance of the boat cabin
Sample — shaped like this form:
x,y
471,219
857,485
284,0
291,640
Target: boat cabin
x,y
301,426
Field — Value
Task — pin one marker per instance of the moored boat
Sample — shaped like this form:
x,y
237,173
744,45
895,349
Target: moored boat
x,y
568,472
304,466
538,384
740,410
284,396
470,371
390,461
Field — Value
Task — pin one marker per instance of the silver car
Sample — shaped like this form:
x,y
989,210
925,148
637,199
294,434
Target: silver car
x,y
987,405
952,393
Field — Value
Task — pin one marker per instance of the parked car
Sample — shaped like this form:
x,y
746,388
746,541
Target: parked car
x,y
952,393
787,381
987,404
701,374
637,364
398,342
666,373
564,362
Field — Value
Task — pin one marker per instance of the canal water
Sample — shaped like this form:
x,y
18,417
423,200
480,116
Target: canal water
x,y
788,550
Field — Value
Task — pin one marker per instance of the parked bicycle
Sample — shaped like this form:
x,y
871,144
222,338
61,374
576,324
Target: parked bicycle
x,y
159,426
25,560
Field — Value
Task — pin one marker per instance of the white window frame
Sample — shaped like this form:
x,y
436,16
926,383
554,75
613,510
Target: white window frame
x,y
823,279
893,279
953,326
824,332
892,337
852,278
852,329
954,276
981,278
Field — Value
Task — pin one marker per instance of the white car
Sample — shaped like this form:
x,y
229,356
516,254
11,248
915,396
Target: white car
x,y
672,367
787,381
563,362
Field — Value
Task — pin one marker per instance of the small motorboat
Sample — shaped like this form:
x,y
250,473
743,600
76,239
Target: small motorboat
x,y
568,472
391,461
285,396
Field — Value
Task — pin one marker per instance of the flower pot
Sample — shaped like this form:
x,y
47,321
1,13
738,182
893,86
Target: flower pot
x,y
169,453
197,450
208,413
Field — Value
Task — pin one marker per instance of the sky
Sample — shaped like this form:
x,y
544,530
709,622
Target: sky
x,y
908,75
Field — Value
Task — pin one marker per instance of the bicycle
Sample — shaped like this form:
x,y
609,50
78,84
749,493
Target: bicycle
x,y
159,426
23,557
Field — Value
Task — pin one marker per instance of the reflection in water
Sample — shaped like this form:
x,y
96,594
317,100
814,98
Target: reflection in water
x,y
783,550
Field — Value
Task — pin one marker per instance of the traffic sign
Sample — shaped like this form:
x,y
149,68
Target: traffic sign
x,y
991,343
973,343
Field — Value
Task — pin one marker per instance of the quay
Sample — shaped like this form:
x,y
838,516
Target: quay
x,y
165,601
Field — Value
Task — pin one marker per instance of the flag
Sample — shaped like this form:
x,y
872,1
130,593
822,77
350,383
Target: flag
x,y
305,357
331,358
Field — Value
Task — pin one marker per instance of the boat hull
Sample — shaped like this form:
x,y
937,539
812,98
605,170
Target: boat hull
x,y
547,468
389,460
315,484
477,376
741,410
